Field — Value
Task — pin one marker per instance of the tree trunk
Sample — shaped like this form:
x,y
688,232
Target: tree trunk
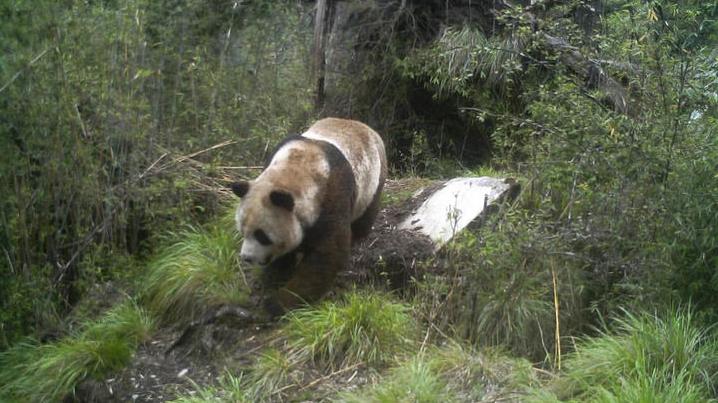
x,y
322,27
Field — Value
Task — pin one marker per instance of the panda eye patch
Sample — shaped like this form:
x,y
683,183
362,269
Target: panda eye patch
x,y
262,237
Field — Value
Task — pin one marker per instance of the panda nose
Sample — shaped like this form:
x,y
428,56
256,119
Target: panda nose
x,y
247,259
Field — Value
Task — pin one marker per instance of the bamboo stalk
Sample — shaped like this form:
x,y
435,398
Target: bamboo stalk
x,y
556,310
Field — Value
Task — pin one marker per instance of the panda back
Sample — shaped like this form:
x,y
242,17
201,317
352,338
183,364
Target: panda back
x,y
363,148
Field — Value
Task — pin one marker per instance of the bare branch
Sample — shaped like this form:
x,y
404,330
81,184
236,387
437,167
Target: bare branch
x,y
591,72
15,77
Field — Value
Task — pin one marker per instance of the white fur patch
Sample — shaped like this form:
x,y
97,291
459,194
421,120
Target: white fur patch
x,y
285,235
255,251
306,205
365,163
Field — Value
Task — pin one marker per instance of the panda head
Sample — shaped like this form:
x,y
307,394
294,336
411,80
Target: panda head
x,y
267,220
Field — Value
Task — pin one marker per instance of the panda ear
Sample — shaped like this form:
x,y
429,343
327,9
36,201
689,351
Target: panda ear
x,y
240,188
282,199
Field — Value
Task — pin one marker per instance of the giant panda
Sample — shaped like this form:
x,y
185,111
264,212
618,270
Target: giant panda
x,y
319,193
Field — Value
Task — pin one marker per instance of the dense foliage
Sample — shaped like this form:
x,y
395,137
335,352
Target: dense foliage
x,y
611,124
98,103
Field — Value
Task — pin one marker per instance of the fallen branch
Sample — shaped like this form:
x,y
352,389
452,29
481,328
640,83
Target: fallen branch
x,y
142,175
591,72
17,75
194,154
242,167
318,380
587,69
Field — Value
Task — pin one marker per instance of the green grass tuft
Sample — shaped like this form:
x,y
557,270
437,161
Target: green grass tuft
x,y
364,327
49,372
230,389
126,321
452,372
473,374
647,358
197,271
651,388
270,373
414,381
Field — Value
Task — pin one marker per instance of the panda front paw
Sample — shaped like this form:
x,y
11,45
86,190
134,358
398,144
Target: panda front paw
x,y
273,308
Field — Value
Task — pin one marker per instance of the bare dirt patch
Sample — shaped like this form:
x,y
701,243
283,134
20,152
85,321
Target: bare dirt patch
x,y
177,360
390,254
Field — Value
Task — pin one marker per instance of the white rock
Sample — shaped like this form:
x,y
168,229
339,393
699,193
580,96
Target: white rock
x,y
450,209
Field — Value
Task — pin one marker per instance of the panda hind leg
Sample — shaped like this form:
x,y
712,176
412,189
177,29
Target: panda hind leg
x,y
362,226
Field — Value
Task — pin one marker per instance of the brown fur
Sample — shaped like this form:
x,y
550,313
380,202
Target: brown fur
x,y
326,248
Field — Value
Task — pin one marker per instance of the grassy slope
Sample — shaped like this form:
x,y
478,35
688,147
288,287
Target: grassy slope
x,y
196,270
48,372
363,346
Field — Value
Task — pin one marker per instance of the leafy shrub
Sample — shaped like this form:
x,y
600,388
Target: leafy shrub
x,y
25,302
499,289
689,236
623,197
94,152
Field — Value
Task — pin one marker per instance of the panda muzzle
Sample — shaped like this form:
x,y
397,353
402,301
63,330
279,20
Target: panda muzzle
x,y
250,260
